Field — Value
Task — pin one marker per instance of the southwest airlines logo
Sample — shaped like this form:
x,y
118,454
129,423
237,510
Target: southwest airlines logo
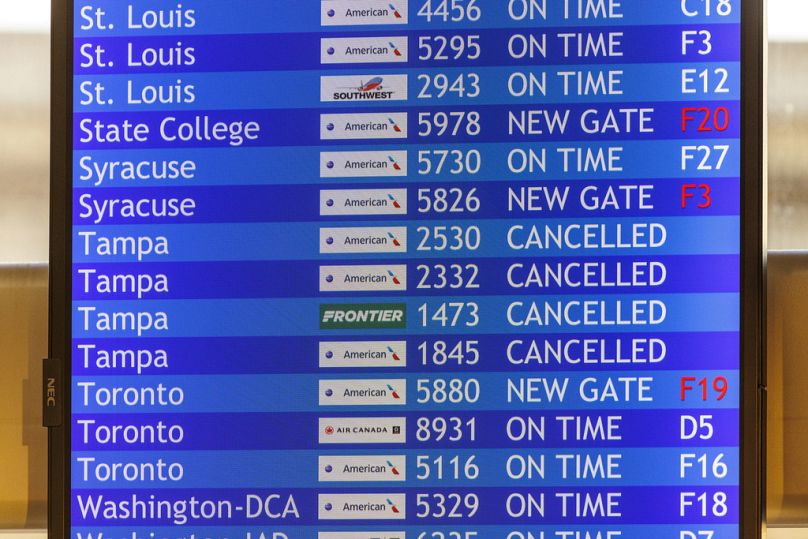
x,y
358,89
363,12
363,316
364,50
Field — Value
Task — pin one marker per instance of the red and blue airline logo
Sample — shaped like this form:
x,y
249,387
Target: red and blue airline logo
x,y
373,84
395,11
396,128
395,49
395,202
396,166
396,357
364,87
393,507
393,392
394,277
394,239
393,468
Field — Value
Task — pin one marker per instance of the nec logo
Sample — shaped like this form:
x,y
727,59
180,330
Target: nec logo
x,y
50,393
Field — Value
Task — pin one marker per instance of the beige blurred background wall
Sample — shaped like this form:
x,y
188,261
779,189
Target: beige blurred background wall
x,y
24,140
788,146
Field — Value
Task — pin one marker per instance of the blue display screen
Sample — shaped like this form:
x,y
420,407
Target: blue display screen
x,y
390,269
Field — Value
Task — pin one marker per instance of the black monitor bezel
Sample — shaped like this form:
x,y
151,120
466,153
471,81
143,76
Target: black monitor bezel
x,y
753,263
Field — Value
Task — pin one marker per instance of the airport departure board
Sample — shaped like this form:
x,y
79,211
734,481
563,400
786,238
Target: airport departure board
x,y
391,269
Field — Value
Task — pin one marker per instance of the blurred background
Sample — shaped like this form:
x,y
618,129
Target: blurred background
x,y
24,140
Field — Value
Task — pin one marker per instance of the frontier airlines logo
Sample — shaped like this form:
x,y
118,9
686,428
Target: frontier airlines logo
x,y
363,316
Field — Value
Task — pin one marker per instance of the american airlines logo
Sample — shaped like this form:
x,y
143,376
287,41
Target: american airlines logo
x,y
370,392
371,354
376,239
360,126
384,278
363,202
356,506
362,468
363,12
364,50
364,164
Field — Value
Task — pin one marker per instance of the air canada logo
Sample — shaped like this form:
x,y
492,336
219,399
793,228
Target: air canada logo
x,y
364,316
362,430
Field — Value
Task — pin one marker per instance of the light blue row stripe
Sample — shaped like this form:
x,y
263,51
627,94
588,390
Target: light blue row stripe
x,y
299,469
257,16
258,317
284,89
301,165
491,391
300,241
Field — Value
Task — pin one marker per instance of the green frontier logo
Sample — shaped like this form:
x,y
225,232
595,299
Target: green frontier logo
x,y
363,316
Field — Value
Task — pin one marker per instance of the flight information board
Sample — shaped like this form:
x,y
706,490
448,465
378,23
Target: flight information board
x,y
391,269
